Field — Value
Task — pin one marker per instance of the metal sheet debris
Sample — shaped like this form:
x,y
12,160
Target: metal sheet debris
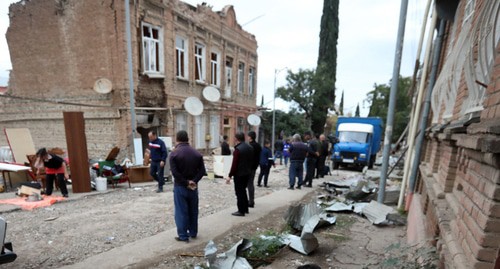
x,y
339,207
377,213
230,259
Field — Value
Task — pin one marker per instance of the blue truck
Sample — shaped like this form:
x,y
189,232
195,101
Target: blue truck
x,y
358,141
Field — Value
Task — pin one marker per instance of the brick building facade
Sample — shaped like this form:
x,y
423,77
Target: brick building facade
x,y
459,179
60,49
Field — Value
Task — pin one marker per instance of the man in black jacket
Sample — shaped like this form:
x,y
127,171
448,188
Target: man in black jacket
x,y
312,157
241,169
255,163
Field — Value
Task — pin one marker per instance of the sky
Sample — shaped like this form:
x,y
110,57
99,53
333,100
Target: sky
x,y
287,33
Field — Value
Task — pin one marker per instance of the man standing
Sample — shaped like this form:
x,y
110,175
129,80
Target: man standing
x,y
255,163
187,168
158,156
224,146
312,157
298,153
323,143
241,169
278,148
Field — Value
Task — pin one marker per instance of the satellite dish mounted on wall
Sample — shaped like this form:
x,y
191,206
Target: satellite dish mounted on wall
x,y
193,106
212,94
103,86
253,120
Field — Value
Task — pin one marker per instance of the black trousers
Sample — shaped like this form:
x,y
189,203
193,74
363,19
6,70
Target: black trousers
x,y
240,185
311,169
320,171
60,182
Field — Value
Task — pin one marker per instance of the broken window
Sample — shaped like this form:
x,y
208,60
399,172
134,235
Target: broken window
x,y
214,69
199,60
241,77
251,81
229,76
180,121
181,57
152,48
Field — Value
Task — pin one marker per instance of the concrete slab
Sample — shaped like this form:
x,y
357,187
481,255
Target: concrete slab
x,y
143,252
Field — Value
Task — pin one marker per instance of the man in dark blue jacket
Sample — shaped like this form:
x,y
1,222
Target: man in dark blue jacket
x,y
187,168
158,156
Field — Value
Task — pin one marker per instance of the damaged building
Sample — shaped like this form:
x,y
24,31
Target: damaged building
x,y
458,194
70,55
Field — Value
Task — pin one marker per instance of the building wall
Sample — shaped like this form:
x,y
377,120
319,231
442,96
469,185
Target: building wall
x,y
460,174
60,48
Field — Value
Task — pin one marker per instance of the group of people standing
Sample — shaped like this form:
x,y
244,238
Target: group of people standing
x,y
313,153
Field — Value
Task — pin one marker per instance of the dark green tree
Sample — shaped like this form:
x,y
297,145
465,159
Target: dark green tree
x,y
326,69
378,99
290,123
299,90
357,113
341,105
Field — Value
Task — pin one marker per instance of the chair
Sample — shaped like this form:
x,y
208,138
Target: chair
x,y
106,170
7,255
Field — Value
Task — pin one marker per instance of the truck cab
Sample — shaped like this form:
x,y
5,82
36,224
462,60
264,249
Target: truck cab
x,y
359,142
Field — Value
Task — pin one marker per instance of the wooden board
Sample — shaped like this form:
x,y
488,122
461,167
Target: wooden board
x,y
74,126
21,143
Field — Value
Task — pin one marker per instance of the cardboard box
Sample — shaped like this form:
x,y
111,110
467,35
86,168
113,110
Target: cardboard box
x,y
139,174
25,190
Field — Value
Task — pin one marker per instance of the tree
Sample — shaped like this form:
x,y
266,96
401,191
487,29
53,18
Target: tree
x,y
326,69
357,112
341,106
378,99
290,123
299,90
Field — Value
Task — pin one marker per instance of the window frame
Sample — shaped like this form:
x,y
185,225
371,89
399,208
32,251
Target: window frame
x,y
146,41
215,65
251,81
199,62
182,65
241,77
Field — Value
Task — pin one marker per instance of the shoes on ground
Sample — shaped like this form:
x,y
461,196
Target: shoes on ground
x,y
238,214
159,190
298,187
290,188
309,185
65,195
251,205
181,240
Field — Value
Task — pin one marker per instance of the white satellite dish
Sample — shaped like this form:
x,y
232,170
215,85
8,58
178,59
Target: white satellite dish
x,y
103,86
212,94
253,120
193,106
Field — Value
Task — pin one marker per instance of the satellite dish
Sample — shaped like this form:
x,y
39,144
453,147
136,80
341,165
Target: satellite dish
x,y
193,106
103,86
212,94
253,120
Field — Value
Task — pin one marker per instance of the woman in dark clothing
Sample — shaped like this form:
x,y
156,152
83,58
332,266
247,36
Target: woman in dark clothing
x,y
55,168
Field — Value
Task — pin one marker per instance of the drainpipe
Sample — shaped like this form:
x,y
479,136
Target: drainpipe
x,y
427,106
412,132
130,76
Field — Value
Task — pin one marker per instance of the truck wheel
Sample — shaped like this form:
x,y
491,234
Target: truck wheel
x,y
336,165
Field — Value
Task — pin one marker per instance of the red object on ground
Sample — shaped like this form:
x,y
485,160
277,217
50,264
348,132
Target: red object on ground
x,y
21,201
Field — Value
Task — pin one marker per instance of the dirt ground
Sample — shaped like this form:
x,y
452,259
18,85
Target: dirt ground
x,y
89,224
353,242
